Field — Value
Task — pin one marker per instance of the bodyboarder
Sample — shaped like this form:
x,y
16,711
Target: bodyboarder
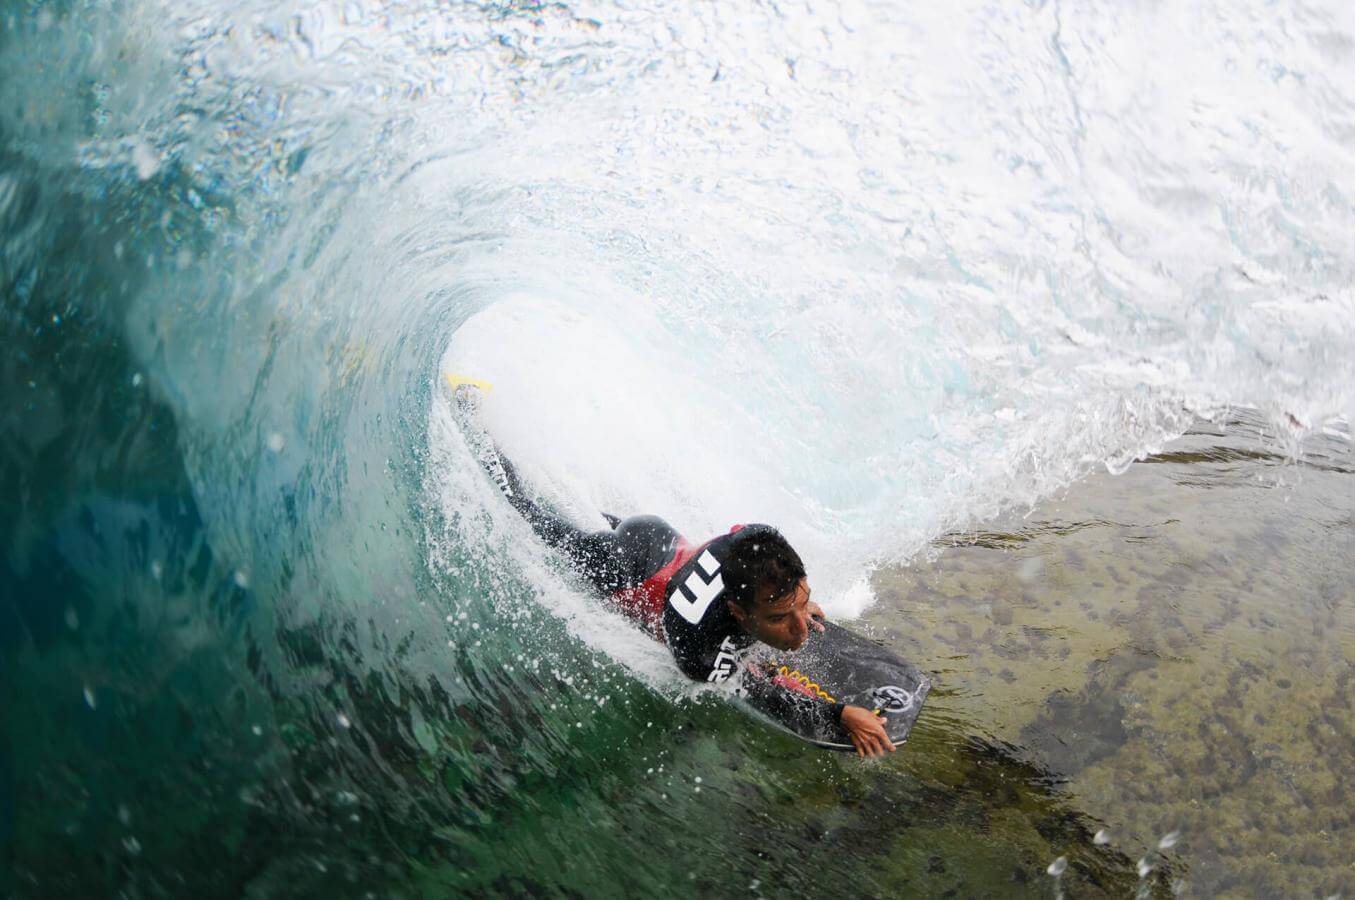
x,y
707,602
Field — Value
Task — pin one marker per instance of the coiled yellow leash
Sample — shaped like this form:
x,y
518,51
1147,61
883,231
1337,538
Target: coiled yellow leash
x,y
794,675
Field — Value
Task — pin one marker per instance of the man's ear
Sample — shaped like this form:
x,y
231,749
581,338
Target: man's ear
x,y
736,611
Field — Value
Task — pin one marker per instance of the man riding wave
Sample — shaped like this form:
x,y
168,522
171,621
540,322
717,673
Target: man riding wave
x,y
707,602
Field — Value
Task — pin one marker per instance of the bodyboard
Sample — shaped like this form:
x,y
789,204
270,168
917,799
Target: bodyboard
x,y
843,666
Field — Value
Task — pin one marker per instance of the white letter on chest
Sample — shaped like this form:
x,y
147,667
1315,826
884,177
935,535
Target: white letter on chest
x,y
703,591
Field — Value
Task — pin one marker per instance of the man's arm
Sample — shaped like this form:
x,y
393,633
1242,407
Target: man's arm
x,y
786,704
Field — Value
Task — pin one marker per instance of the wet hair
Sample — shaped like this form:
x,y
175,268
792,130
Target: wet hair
x,y
760,558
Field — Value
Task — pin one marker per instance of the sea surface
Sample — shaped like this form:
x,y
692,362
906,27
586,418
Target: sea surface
x,y
1030,324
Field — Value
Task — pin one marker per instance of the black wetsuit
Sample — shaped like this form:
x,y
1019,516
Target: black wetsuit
x,y
705,639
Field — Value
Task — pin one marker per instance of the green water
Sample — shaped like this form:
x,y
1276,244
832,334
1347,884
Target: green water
x,y
1176,646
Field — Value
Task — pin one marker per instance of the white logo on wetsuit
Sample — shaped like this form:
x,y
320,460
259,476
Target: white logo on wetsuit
x,y
726,661
704,590
497,472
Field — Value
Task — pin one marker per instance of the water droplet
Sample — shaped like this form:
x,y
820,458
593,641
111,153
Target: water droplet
x,y
132,845
72,618
1168,840
1101,838
89,697
157,570
449,617
1144,868
1058,866
698,779
258,730
145,160
276,442
241,579
343,721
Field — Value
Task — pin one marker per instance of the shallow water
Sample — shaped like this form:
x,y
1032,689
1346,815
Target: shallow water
x,y
1175,647
872,272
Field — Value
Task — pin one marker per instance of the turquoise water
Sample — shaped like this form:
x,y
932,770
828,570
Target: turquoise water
x,y
872,273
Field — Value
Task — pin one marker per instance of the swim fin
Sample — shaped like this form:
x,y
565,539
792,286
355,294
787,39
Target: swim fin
x,y
455,381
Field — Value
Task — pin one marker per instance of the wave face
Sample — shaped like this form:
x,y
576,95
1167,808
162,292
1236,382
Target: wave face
x,y
869,272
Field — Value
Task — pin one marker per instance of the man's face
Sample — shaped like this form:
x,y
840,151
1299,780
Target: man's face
x,y
782,623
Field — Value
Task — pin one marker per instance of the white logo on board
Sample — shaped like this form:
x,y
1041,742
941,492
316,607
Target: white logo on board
x,y
892,698
703,590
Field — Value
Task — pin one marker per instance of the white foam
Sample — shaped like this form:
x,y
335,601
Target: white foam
x,y
896,269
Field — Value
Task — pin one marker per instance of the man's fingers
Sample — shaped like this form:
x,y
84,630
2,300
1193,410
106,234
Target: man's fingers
x,y
867,733
883,735
817,623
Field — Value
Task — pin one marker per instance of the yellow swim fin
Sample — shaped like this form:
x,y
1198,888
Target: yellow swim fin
x,y
455,381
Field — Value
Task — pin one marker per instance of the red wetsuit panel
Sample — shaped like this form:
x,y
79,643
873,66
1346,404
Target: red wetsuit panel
x,y
645,601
